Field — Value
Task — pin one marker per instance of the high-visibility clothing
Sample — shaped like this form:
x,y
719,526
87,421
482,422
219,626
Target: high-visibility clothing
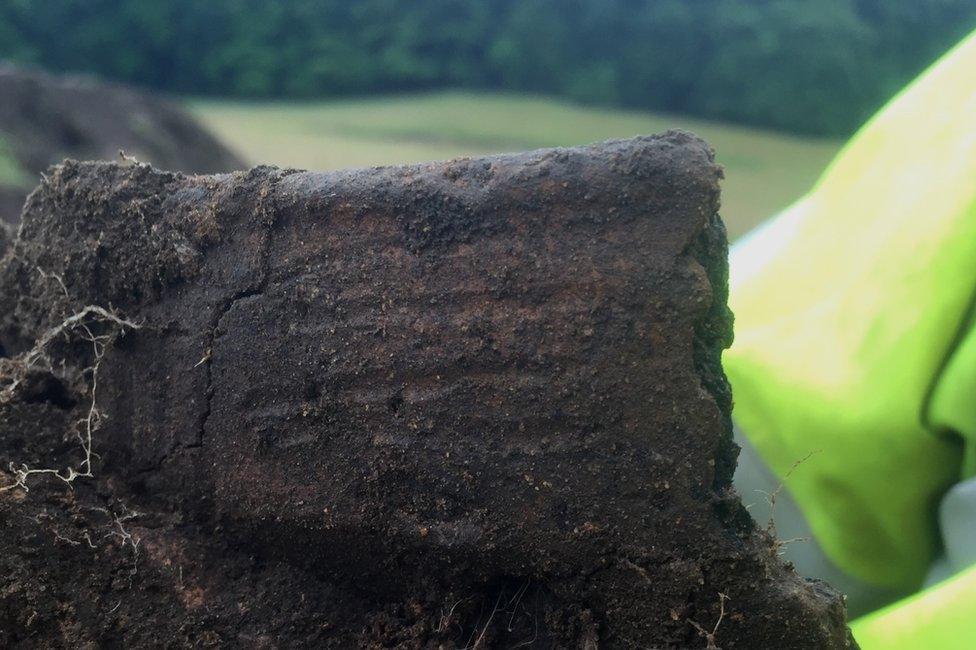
x,y
942,617
855,340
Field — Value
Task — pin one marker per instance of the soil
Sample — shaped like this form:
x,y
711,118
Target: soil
x,y
46,118
474,404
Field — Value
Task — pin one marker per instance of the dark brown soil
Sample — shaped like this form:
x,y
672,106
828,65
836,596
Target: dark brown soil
x,y
468,404
46,118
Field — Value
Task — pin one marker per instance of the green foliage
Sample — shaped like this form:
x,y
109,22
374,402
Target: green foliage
x,y
812,67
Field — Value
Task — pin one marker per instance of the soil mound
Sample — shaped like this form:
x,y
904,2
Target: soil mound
x,y
474,404
46,118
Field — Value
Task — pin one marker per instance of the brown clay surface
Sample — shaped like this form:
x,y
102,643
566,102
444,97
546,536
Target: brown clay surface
x,y
45,118
465,404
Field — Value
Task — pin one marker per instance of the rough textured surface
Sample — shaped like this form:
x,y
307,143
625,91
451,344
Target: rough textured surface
x,y
475,403
45,118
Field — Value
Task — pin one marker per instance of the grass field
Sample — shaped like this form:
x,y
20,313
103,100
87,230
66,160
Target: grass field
x,y
764,171
10,172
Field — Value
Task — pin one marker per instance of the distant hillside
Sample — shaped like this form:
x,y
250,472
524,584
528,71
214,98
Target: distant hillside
x,y
807,67
46,118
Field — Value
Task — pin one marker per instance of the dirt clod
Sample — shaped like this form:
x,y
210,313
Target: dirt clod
x,y
45,118
474,404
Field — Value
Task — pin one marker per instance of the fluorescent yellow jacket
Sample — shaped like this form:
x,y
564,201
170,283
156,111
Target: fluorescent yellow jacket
x,y
855,339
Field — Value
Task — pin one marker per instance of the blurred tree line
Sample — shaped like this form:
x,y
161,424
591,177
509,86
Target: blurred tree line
x,y
812,67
